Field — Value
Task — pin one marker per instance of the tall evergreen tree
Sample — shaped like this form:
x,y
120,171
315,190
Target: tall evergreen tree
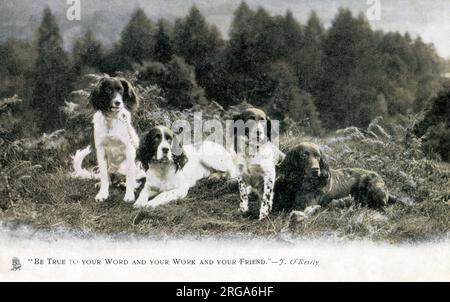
x,y
51,80
87,53
198,43
238,56
288,100
17,64
163,51
351,71
250,54
308,60
238,61
398,63
252,38
288,37
429,67
263,38
137,38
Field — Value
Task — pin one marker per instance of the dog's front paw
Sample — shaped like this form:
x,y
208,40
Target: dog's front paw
x,y
129,197
297,216
243,208
102,196
140,203
137,185
215,177
311,211
264,213
263,216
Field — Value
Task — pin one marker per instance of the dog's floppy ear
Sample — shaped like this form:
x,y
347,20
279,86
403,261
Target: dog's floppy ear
x,y
146,151
324,170
179,156
234,131
293,166
280,157
130,97
99,98
239,117
180,161
269,129
290,178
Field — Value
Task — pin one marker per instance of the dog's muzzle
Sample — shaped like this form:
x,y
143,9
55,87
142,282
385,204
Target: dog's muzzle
x,y
315,172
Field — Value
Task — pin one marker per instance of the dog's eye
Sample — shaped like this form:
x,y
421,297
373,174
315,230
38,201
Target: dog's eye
x,y
108,91
157,137
306,154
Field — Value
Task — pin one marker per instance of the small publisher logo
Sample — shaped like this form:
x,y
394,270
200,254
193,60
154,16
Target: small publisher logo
x,y
16,266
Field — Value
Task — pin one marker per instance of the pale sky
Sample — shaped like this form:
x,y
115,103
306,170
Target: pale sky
x,y
428,18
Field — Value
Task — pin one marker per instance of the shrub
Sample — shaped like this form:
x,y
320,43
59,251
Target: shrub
x,y
177,81
434,128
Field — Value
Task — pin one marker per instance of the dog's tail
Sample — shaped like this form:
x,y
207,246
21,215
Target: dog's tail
x,y
399,200
79,171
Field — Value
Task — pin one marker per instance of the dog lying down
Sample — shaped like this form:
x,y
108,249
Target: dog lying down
x,y
306,184
172,169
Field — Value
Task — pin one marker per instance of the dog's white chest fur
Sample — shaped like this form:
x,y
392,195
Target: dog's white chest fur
x,y
258,175
115,139
265,159
165,178
162,178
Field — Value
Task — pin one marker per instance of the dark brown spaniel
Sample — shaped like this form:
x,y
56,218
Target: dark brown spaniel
x,y
305,181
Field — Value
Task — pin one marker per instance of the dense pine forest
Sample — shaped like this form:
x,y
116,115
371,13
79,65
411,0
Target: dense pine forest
x,y
324,78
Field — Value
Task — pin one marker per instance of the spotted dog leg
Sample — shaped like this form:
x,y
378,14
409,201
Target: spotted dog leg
x,y
267,198
243,193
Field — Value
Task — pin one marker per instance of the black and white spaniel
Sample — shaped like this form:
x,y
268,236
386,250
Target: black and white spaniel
x,y
116,141
256,157
172,169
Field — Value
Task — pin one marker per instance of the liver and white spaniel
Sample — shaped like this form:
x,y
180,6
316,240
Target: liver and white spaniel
x,y
116,141
256,158
172,169
306,183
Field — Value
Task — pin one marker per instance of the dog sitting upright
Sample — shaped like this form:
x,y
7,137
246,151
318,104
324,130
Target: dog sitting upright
x,y
116,141
256,157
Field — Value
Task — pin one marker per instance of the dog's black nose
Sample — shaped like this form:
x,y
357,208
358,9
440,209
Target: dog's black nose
x,y
315,171
117,103
165,150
